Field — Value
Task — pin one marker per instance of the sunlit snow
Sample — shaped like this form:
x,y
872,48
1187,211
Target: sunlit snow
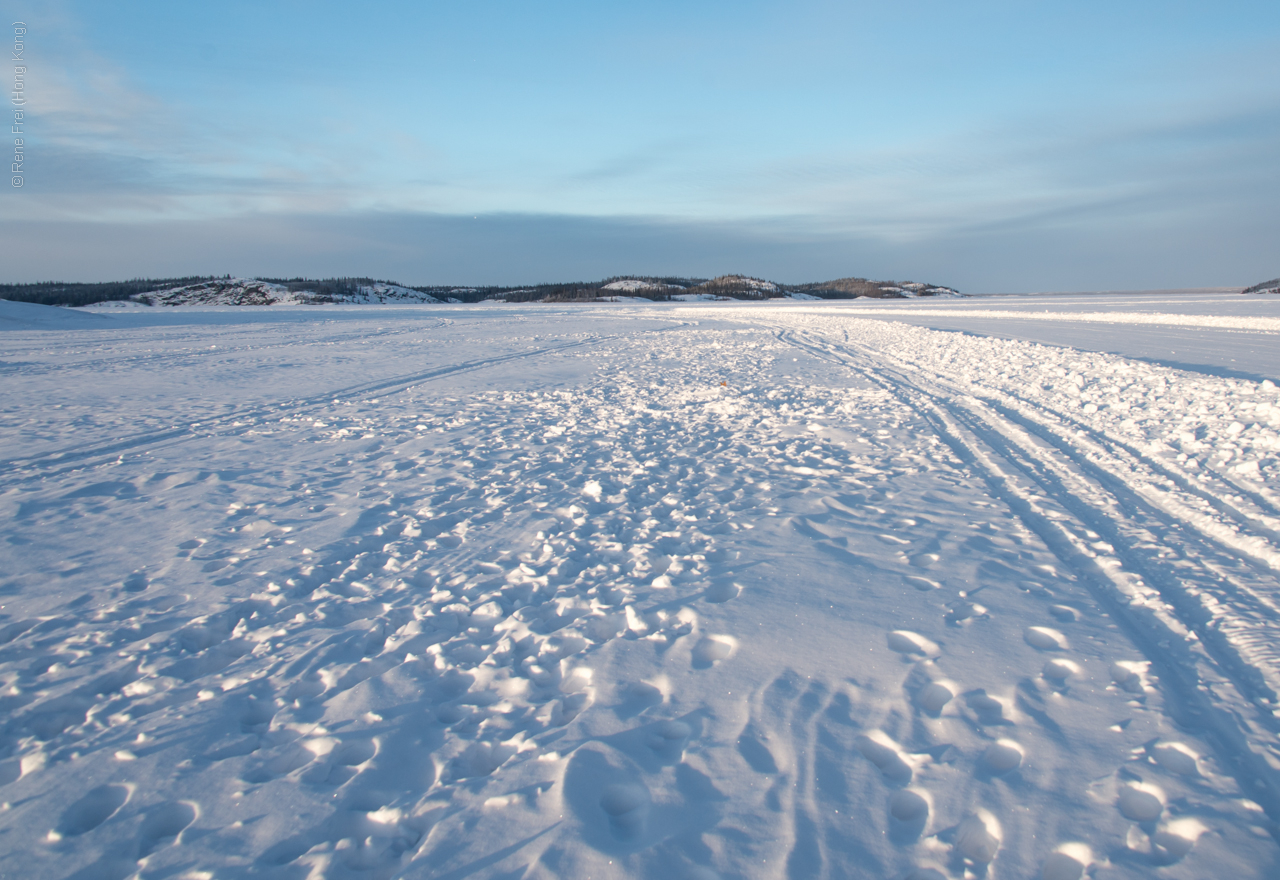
x,y
642,590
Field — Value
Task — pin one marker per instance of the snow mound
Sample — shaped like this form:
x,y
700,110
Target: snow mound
x,y
30,316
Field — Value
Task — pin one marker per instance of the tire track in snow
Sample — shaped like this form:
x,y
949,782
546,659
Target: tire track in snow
x,y
1216,682
1224,604
152,359
1051,425
1097,449
45,466
1245,613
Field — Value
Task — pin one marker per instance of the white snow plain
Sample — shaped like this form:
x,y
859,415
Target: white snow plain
x,y
640,590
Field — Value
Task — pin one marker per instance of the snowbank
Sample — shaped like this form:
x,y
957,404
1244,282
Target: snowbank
x,y
1222,322
30,316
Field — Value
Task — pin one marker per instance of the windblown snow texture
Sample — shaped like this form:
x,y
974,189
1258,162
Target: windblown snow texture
x,y
641,591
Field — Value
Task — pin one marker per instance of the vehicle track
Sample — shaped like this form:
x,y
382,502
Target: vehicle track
x,y
1217,658
61,461
1240,566
1211,490
200,349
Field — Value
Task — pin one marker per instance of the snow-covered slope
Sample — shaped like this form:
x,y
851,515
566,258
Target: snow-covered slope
x,y
251,292
30,316
386,293
243,291
915,288
1272,286
224,292
633,284
669,591
742,281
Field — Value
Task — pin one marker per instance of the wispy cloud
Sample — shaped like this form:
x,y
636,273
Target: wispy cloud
x,y
894,151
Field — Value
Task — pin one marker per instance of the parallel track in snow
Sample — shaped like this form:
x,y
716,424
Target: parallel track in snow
x,y
1205,616
152,359
60,461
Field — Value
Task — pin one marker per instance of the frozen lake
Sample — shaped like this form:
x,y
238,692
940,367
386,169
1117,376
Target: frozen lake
x,y
983,588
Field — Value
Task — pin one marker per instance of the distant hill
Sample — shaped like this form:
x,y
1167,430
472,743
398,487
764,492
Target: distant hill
x,y
1272,286
259,292
225,290
57,293
723,287
855,287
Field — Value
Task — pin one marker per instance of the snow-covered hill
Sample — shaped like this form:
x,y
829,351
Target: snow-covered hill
x,y
386,293
224,292
633,284
741,281
230,291
915,288
252,292
1272,286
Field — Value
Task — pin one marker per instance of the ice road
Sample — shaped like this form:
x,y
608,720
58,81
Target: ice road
x,y
758,591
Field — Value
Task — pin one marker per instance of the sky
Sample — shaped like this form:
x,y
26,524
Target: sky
x,y
990,146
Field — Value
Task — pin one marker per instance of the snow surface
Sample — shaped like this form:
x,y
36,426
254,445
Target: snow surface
x,y
669,591
31,316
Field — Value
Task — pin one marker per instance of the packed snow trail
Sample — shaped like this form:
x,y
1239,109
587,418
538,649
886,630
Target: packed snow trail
x,y
654,592
1064,480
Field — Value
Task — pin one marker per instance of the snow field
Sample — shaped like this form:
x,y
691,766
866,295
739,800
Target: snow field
x,y
673,593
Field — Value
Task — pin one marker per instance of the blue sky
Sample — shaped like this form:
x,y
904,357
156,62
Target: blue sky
x,y
995,146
